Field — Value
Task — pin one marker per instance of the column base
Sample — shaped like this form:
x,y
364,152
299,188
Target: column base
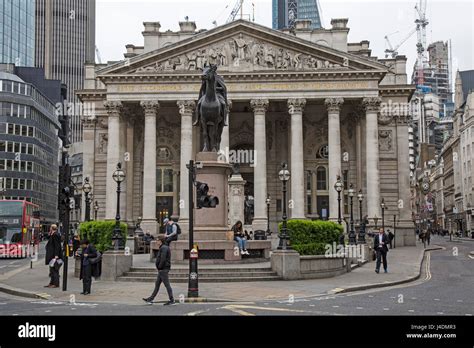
x,y
259,224
150,226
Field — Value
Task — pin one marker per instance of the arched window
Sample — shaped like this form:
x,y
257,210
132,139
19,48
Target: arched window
x,y
321,177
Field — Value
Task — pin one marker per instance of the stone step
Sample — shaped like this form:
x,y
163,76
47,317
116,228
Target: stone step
x,y
204,270
204,274
202,280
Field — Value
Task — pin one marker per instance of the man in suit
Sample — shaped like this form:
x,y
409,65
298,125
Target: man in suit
x,y
381,248
87,268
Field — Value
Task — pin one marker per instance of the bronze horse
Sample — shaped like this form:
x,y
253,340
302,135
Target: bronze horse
x,y
211,109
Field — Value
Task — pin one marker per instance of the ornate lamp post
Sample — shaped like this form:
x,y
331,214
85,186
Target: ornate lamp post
x,y
119,177
382,205
339,186
360,197
87,188
96,210
284,176
268,201
352,234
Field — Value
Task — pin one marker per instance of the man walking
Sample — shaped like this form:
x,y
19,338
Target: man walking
x,y
381,248
53,252
163,264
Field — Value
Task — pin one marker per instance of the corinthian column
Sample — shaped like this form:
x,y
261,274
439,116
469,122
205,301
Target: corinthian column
x,y
225,142
295,109
259,107
186,108
333,106
149,223
114,109
372,106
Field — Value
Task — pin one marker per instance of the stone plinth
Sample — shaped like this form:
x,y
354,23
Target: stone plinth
x,y
236,199
286,263
115,264
212,223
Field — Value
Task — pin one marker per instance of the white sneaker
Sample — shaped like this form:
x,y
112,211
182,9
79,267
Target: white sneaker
x,y
246,252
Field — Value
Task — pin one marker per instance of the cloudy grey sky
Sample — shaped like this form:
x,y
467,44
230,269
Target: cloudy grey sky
x,y
120,22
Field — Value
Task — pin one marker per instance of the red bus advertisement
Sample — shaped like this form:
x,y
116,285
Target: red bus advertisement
x,y
19,228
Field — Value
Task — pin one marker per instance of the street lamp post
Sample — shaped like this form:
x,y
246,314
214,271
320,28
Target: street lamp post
x,y
339,186
268,201
360,197
376,219
382,205
96,210
284,176
87,188
119,177
352,234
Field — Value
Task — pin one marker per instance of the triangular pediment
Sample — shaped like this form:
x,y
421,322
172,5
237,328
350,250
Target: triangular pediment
x,y
242,46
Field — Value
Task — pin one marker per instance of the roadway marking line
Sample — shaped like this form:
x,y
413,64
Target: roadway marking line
x,y
386,309
73,309
359,307
428,272
48,311
436,299
3,303
335,306
14,314
238,309
413,298
411,310
469,314
459,301
311,305
439,313
192,314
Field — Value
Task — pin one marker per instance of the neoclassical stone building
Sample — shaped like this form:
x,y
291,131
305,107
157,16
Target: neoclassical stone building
x,y
309,97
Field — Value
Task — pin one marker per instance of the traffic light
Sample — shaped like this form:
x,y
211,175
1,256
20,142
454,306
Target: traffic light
x,y
203,198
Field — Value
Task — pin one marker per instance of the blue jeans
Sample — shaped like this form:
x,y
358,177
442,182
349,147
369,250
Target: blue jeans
x,y
242,242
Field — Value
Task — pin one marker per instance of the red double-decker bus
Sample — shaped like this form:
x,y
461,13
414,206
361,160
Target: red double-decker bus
x,y
19,228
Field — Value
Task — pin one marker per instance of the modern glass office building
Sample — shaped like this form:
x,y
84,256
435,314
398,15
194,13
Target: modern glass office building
x,y
29,145
285,12
17,32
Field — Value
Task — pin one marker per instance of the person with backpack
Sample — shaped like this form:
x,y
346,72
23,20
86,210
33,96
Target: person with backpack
x,y
90,260
172,231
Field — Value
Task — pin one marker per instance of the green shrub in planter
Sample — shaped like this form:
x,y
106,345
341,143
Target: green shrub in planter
x,y
310,237
99,233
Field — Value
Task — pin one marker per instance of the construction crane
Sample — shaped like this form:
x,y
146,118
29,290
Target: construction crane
x,y
421,23
235,10
393,51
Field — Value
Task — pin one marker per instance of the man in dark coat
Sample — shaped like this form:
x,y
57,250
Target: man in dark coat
x,y
87,269
163,264
381,248
53,251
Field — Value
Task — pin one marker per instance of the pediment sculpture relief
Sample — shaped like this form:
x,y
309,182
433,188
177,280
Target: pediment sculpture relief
x,y
243,53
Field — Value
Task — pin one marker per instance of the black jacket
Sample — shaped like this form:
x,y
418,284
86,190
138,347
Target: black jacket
x,y
385,242
95,268
163,258
53,248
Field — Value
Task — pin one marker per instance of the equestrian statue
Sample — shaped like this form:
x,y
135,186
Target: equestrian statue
x,y
211,110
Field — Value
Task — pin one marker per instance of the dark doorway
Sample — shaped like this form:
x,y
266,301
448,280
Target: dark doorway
x,y
164,208
323,207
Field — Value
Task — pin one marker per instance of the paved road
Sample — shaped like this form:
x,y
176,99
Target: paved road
x,y
445,288
11,264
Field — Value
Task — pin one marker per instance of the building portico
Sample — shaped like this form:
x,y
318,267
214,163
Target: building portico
x,y
313,106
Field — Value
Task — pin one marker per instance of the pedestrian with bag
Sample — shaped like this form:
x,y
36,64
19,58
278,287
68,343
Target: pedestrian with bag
x,y
53,256
163,265
380,246
390,238
239,237
90,265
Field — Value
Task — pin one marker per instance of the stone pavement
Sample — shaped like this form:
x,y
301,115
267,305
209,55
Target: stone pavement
x,y
404,266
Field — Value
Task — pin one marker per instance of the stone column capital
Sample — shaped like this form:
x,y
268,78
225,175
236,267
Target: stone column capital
x,y
296,105
186,107
113,107
371,104
334,104
259,105
150,107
